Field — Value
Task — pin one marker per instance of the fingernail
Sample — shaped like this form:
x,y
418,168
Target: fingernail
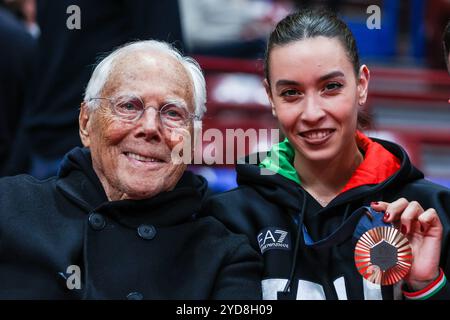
x,y
386,216
403,229
375,203
422,229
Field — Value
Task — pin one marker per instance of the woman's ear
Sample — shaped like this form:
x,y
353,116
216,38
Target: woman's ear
x,y
84,120
269,95
363,84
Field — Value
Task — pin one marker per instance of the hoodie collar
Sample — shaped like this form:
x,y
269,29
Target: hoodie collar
x,y
378,165
78,182
280,159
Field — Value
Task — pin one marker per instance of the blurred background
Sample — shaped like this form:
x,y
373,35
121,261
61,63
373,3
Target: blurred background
x,y
45,66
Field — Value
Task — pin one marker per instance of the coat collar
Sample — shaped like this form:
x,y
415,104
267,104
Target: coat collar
x,y
78,182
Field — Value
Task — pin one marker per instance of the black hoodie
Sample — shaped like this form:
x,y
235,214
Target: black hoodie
x,y
279,217
61,230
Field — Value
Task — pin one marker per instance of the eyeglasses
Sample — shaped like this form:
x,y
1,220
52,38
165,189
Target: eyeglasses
x,y
130,108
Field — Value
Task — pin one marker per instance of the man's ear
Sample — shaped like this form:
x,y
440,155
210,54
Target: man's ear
x,y
363,84
84,120
269,95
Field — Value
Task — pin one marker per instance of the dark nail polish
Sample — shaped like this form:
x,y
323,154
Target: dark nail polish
x,y
375,203
403,229
422,229
386,216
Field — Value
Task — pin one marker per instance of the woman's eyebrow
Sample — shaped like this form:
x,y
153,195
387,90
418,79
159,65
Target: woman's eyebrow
x,y
283,82
330,75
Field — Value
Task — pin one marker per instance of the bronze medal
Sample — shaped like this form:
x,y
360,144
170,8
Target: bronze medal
x,y
383,255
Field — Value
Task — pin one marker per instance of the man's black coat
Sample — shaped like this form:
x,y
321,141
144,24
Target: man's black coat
x,y
151,249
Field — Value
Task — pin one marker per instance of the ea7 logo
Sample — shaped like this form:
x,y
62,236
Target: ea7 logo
x,y
274,238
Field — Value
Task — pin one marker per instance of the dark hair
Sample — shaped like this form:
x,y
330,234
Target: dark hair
x,y
446,40
310,23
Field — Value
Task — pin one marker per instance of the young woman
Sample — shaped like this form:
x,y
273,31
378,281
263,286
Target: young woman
x,y
301,205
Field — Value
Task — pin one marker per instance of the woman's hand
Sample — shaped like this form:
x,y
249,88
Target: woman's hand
x,y
424,232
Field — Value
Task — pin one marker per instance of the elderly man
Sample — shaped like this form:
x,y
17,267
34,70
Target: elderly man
x,y
118,222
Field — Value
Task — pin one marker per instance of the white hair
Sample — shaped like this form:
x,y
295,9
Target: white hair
x,y
103,71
